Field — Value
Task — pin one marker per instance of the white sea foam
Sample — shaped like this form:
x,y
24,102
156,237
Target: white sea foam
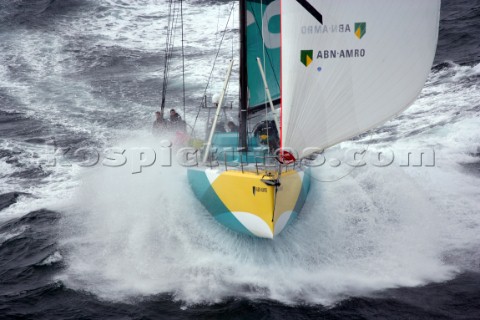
x,y
51,259
12,234
128,235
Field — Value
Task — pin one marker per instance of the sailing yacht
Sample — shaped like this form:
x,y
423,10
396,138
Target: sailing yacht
x,y
312,74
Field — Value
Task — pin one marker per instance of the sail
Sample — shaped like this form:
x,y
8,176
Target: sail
x,y
263,41
350,65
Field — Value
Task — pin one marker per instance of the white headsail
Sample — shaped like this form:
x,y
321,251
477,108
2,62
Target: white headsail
x,y
350,65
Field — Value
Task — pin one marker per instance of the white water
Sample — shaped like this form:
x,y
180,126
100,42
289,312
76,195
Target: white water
x,y
127,235
124,236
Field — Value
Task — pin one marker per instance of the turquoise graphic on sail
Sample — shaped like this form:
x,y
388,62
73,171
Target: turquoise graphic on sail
x,y
263,15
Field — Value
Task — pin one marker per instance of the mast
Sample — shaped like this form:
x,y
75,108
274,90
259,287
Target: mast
x,y
243,77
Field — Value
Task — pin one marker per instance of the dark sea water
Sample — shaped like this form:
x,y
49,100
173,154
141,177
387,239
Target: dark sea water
x,y
92,243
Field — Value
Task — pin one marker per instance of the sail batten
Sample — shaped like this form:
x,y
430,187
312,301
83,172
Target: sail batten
x,y
366,62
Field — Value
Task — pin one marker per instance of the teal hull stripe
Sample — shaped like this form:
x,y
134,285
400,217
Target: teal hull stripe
x,y
302,197
304,192
204,192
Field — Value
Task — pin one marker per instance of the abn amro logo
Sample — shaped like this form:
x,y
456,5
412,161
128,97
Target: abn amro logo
x,y
360,29
306,57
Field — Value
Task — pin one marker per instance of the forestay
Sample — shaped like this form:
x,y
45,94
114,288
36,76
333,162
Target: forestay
x,y
350,65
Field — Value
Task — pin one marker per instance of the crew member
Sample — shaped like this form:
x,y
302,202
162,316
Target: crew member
x,y
159,125
232,126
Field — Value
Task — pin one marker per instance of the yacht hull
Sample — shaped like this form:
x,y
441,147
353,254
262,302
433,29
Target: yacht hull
x,y
252,203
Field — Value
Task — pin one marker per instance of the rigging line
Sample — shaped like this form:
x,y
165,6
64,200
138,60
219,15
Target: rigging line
x,y
167,44
233,27
213,67
233,38
172,36
264,61
218,50
183,58
265,71
218,23
166,62
173,20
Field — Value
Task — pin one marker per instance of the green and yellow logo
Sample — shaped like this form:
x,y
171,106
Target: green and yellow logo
x,y
360,29
306,57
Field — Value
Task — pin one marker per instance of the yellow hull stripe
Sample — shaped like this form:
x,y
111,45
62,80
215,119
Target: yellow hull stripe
x,y
245,193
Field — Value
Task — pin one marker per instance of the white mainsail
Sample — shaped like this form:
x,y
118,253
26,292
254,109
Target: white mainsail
x,y
350,65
